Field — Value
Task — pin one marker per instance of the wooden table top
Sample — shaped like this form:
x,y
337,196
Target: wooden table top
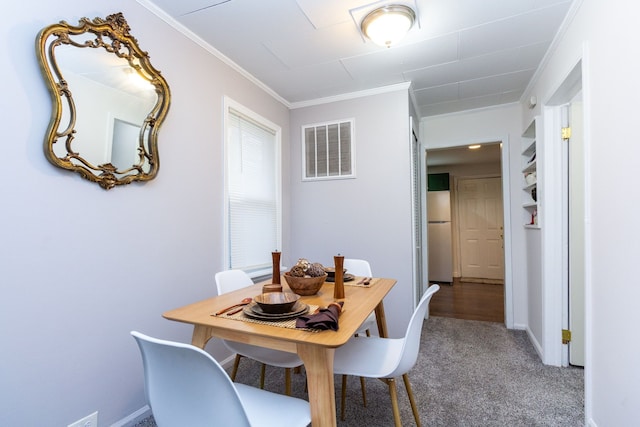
x,y
359,302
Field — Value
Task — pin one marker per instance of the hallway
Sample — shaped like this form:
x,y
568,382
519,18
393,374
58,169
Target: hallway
x,y
471,301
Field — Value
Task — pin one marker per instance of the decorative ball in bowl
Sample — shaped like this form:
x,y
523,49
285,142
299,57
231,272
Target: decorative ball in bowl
x,y
276,302
305,285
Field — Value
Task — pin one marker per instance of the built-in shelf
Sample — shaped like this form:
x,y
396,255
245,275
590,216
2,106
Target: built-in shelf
x,y
530,166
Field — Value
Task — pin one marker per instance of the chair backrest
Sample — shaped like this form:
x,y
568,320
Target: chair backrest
x,y
185,386
357,267
231,280
412,337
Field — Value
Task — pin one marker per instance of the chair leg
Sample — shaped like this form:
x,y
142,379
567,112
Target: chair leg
x,y
412,400
393,392
287,381
343,397
262,374
364,392
362,386
236,363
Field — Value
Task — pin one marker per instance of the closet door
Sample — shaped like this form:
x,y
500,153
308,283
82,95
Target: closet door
x,y
481,228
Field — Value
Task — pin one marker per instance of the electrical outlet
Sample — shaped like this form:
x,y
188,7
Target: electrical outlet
x,y
88,421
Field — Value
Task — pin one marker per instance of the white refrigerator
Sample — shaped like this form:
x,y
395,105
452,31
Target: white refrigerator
x,y
439,236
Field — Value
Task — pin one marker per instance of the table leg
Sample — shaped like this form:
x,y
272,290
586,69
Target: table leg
x,y
201,335
318,363
381,320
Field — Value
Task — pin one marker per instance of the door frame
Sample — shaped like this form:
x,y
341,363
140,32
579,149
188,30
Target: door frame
x,y
556,299
505,142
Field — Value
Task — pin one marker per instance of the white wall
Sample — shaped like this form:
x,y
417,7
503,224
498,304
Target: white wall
x,y
501,123
80,266
367,217
604,35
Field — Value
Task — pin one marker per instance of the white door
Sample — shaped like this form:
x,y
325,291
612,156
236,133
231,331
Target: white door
x,y
576,236
481,228
418,233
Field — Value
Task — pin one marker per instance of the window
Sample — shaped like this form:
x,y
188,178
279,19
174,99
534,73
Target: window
x,y
328,150
252,190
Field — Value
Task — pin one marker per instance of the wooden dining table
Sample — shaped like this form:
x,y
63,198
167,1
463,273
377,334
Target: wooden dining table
x,y
315,348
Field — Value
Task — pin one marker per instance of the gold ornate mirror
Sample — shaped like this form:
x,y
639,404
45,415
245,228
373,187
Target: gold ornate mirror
x,y
108,101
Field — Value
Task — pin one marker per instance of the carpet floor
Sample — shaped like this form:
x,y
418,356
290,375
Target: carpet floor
x,y
468,373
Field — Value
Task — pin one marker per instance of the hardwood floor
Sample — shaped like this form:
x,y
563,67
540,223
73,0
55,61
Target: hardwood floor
x,y
472,301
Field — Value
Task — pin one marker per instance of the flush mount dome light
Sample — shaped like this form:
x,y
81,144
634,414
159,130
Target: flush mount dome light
x,y
387,25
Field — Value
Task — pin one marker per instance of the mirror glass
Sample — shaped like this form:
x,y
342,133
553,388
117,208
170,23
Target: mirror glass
x,y
108,101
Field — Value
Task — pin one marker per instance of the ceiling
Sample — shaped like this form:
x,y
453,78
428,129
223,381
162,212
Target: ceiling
x,y
487,153
460,54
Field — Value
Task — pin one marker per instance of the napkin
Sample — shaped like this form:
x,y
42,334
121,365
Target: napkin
x,y
325,318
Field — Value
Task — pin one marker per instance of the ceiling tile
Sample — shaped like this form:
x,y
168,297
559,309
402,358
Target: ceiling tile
x,y
326,13
310,49
438,94
184,7
505,61
509,97
491,37
460,105
320,46
320,80
441,17
495,84
396,59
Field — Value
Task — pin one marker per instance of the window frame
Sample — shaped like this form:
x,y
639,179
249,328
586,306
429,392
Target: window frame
x,y
326,124
230,105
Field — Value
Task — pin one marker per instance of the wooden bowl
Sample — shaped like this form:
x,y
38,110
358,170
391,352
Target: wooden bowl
x,y
305,285
331,271
276,302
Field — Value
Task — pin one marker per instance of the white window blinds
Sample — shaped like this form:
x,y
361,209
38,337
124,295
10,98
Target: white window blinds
x,y
253,193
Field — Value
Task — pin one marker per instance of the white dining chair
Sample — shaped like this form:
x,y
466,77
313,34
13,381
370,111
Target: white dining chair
x,y
360,268
185,386
387,358
231,280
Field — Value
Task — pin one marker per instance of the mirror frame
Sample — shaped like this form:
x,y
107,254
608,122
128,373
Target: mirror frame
x,y
123,45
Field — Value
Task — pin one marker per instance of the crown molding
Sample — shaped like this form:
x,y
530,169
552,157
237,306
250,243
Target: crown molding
x,y
149,5
206,46
351,95
564,27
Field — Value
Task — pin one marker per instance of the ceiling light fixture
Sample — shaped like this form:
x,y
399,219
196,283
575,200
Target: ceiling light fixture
x,y
387,25
474,147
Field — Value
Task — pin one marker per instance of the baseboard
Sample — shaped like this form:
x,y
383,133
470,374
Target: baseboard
x,y
519,326
536,344
134,418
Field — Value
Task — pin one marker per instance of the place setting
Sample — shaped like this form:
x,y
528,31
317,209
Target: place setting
x,y
277,307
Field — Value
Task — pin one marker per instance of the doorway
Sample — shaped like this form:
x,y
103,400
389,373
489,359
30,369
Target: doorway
x,y
566,210
472,173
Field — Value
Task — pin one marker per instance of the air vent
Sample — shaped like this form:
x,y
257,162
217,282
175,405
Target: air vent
x,y
328,150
